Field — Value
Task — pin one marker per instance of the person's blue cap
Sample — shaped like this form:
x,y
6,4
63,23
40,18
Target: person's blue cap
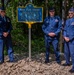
x,y
2,9
51,9
71,9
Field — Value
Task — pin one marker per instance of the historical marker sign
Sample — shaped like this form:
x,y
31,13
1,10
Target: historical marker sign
x,y
30,14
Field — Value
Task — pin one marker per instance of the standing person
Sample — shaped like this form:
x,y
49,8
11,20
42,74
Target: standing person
x,y
69,40
6,28
1,41
51,28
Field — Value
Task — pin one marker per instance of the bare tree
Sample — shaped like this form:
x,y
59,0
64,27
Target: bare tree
x,y
73,3
46,3
2,2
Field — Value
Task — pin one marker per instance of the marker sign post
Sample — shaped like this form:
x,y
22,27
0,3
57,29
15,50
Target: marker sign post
x,y
30,15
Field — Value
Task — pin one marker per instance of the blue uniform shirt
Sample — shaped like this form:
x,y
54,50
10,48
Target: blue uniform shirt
x,y
1,28
69,28
52,24
5,24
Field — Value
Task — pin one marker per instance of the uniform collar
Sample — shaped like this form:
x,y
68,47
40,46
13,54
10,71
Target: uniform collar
x,y
51,17
2,17
71,18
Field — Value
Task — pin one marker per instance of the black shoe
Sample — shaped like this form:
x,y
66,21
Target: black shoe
x,y
46,61
71,71
59,62
11,61
66,64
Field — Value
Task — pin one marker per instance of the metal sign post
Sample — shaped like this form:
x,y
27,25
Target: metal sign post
x,y
29,42
30,15
29,26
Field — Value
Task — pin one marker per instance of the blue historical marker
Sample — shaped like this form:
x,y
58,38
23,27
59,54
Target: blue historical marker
x,y
30,14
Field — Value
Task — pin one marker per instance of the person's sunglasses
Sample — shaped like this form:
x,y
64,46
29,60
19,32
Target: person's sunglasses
x,y
70,13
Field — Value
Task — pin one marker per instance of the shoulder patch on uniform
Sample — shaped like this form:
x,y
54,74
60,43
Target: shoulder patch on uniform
x,y
56,20
72,23
47,20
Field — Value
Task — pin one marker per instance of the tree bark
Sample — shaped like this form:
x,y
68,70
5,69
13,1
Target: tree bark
x,y
46,3
73,3
2,2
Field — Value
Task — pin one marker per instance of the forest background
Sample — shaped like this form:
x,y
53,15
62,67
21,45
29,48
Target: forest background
x,y
20,30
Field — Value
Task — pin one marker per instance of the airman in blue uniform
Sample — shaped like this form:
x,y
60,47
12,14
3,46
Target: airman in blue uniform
x,y
5,36
51,28
69,39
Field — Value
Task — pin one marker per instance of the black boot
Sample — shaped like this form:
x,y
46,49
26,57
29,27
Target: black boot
x,y
46,61
65,64
71,71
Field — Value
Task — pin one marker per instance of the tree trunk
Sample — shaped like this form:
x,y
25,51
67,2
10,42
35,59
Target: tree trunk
x,y
73,3
61,38
31,1
2,2
46,3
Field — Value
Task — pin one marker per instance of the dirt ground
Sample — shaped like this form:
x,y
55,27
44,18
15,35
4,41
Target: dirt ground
x,y
35,67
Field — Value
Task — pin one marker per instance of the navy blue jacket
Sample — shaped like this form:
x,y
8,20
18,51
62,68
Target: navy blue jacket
x,y
5,25
52,24
69,28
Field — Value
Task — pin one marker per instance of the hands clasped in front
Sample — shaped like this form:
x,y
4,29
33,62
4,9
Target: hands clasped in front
x,y
66,39
52,34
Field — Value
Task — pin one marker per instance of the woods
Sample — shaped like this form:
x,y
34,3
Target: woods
x,y
20,30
